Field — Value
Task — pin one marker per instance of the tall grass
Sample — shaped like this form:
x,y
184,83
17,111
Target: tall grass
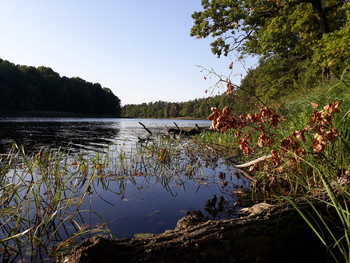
x,y
332,171
44,195
300,177
324,174
41,204
331,225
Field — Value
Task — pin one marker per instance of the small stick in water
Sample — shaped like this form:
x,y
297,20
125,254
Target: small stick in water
x,y
145,128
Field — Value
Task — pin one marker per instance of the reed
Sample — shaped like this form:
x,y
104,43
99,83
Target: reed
x,y
332,171
331,227
285,176
41,203
307,166
45,195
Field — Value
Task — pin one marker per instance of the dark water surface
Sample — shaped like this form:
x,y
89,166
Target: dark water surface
x,y
143,204
81,134
78,134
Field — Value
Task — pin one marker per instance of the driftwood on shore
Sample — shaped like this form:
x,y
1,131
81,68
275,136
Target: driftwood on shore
x,y
273,234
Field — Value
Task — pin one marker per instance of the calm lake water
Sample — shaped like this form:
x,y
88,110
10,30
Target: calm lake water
x,y
149,203
79,134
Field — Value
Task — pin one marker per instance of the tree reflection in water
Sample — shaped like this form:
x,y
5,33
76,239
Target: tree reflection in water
x,y
119,191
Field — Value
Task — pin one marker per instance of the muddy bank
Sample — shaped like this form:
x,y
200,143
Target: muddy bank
x,y
267,234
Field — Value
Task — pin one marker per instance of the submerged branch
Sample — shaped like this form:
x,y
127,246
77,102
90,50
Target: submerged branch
x,y
144,126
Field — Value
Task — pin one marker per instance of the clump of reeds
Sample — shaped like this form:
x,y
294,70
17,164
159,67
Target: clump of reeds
x,y
41,203
293,139
307,148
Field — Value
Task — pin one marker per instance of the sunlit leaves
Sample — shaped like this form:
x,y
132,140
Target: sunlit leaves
x,y
321,124
268,28
260,121
258,130
298,42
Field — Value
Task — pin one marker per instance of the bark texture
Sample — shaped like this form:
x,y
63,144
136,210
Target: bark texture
x,y
274,234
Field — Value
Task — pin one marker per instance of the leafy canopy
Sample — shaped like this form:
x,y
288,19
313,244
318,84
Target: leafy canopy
x,y
268,27
299,42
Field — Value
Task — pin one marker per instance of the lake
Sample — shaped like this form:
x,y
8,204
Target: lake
x,y
81,134
148,197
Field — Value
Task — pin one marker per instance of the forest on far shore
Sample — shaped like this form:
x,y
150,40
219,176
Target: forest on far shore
x,y
196,109
26,89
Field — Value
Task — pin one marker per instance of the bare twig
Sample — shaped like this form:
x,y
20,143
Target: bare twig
x,y
262,158
146,128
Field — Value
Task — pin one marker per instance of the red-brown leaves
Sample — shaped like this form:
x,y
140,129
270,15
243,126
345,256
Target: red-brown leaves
x,y
332,134
314,105
244,144
319,143
332,108
215,114
259,121
289,144
226,111
276,157
256,130
299,134
321,124
229,88
264,140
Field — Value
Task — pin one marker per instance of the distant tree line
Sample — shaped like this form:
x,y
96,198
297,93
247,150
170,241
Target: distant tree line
x,y
198,108
26,88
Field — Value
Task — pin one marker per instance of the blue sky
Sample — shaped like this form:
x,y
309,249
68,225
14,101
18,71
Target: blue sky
x,y
141,50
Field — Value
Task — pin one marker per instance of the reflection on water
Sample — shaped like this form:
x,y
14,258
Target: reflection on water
x,y
54,133
153,204
132,196
79,134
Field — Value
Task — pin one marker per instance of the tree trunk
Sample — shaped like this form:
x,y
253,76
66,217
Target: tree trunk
x,y
275,234
320,15
324,27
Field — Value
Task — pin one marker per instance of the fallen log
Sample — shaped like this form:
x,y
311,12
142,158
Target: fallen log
x,y
274,234
184,131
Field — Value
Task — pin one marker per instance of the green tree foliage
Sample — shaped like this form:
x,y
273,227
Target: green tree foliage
x,y
298,41
24,88
333,50
270,27
198,108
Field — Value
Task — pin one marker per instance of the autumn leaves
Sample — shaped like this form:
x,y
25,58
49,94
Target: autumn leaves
x,y
258,132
